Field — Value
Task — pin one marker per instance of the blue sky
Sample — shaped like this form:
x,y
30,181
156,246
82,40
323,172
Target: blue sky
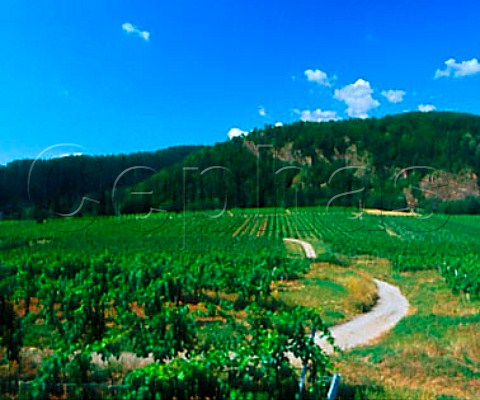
x,y
124,76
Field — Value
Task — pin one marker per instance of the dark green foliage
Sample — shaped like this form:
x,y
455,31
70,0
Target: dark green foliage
x,y
11,332
106,289
247,172
179,379
469,205
381,147
58,185
463,275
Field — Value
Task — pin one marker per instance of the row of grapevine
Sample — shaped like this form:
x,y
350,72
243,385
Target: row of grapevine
x,y
108,291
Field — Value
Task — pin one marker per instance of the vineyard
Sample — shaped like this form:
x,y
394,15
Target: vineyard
x,y
447,243
188,298
193,301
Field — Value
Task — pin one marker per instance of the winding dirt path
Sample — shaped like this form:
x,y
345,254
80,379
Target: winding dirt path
x,y
391,307
307,247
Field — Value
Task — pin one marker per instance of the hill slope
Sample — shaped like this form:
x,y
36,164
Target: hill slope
x,y
393,162
50,186
431,160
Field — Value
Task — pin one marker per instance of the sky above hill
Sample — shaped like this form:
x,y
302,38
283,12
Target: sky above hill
x,y
124,76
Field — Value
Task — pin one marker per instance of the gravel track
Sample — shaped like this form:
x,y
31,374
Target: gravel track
x,y
391,307
307,247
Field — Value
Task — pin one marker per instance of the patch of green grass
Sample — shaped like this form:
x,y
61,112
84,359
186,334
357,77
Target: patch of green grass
x,y
322,295
332,291
333,258
433,353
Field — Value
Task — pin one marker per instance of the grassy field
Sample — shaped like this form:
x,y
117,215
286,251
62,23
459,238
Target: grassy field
x,y
334,292
434,353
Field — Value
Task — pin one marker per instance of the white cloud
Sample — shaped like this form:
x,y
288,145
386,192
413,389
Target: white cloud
x,y
262,112
235,132
426,107
441,73
317,76
317,115
63,155
278,124
394,96
358,97
133,30
464,68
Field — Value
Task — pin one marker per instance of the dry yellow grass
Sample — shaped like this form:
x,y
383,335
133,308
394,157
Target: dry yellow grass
x,y
466,344
336,293
294,250
375,211
362,290
392,233
435,352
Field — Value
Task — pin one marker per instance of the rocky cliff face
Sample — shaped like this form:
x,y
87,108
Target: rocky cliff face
x,y
442,185
448,186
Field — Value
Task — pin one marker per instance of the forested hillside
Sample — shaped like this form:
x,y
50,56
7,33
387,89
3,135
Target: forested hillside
x,y
48,187
429,160
413,159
